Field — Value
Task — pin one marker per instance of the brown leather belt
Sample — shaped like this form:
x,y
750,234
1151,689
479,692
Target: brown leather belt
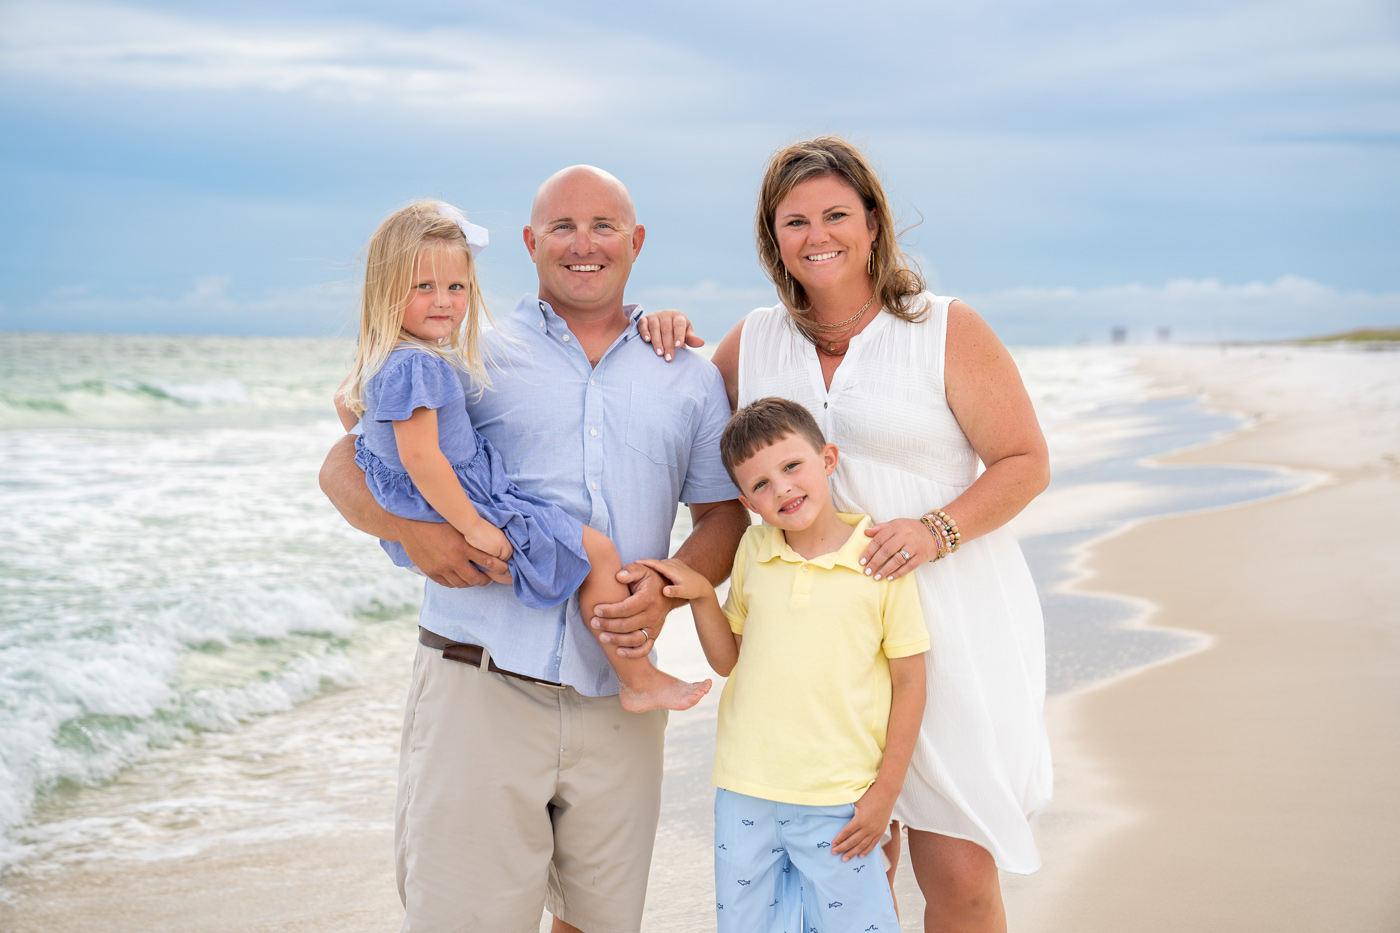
x,y
471,654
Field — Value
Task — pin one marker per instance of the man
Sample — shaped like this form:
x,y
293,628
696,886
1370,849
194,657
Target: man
x,y
522,782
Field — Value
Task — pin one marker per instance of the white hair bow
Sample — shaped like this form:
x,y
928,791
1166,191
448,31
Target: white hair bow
x,y
477,237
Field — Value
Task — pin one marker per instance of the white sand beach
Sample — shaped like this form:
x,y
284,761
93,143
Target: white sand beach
x,y
1249,785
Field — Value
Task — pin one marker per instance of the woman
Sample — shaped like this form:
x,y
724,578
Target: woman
x,y
915,390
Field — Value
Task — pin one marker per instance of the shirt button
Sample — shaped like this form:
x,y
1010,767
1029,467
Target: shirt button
x,y
595,485
566,338
592,383
824,404
805,568
593,431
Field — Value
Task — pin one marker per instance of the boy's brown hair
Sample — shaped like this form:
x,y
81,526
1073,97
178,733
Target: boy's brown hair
x,y
765,422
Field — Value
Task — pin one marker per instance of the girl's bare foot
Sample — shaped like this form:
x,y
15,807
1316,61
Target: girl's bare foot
x,y
659,690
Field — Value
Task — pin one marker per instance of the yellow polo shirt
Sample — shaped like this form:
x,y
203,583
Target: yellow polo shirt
x,y
803,715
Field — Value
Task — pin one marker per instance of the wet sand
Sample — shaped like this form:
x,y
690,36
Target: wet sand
x,y
1250,785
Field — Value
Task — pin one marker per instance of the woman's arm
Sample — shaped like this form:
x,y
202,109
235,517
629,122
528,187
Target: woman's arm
x,y
726,360
990,402
994,410
417,440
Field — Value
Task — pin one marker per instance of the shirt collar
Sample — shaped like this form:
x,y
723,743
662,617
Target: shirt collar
x,y
533,304
848,555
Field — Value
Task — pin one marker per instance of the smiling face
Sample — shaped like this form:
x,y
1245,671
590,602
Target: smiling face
x,y
583,237
786,482
439,291
824,234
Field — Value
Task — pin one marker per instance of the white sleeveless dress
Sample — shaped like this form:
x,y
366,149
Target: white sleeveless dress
x,y
981,768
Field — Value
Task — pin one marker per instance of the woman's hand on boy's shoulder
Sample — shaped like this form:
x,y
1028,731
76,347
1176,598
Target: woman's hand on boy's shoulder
x,y
684,581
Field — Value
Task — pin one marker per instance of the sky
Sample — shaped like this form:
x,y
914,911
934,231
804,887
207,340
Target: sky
x,y
1228,170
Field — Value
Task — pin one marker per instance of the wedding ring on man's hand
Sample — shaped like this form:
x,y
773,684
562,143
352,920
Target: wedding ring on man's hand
x,y
904,554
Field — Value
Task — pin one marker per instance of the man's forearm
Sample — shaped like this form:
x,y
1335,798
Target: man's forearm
x,y
344,485
714,539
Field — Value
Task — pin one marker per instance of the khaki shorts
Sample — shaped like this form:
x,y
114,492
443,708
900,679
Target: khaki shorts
x,y
515,796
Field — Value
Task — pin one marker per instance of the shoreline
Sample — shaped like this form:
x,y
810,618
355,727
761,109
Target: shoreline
x,y
1243,785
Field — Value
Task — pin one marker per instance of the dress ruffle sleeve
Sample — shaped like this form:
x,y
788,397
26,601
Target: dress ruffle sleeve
x,y
412,380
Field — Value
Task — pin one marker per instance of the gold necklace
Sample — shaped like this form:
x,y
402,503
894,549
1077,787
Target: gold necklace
x,y
848,326
848,321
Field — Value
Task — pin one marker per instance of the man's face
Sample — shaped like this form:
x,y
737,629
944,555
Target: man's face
x,y
583,239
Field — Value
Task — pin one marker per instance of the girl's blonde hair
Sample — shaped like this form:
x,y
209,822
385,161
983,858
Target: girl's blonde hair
x,y
896,277
406,236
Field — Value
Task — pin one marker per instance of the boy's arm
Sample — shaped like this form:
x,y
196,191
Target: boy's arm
x,y
908,687
636,622
719,642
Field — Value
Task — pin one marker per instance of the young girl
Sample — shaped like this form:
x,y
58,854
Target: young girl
x,y
420,319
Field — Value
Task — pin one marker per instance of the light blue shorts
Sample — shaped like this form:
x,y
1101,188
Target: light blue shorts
x,y
775,872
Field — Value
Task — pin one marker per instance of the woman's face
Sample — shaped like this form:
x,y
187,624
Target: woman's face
x,y
824,234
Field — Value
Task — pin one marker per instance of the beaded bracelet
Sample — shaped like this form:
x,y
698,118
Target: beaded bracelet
x,y
940,545
951,527
945,532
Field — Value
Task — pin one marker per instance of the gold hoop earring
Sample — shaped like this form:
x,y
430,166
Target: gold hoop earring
x,y
787,276
870,260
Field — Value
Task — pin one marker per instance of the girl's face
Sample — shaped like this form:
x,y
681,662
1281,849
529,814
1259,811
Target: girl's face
x,y
437,299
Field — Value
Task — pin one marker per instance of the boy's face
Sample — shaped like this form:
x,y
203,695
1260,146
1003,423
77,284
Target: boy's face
x,y
786,482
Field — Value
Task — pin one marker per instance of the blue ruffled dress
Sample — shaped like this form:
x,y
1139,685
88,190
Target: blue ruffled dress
x,y
549,561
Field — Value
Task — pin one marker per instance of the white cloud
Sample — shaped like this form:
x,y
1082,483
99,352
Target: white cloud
x,y
207,306
1203,309
450,70
1152,68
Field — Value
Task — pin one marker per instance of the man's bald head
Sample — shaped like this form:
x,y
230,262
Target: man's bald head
x,y
583,237
568,184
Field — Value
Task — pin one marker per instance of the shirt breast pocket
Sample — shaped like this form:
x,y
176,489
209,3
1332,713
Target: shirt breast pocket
x,y
659,424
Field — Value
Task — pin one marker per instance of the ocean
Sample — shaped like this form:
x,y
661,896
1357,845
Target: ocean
x,y
197,651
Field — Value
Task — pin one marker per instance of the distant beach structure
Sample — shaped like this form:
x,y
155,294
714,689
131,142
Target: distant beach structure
x,y
1119,335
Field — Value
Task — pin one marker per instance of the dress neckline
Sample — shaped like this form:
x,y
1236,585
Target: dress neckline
x,y
840,376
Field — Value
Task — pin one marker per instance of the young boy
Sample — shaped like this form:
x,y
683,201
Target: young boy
x,y
818,719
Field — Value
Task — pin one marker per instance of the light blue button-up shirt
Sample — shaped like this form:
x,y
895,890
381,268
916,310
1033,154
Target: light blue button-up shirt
x,y
617,446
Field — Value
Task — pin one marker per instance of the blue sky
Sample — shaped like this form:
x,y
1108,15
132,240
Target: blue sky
x,y
1226,169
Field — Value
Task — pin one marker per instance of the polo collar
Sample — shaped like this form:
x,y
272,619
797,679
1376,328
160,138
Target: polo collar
x,y
774,545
